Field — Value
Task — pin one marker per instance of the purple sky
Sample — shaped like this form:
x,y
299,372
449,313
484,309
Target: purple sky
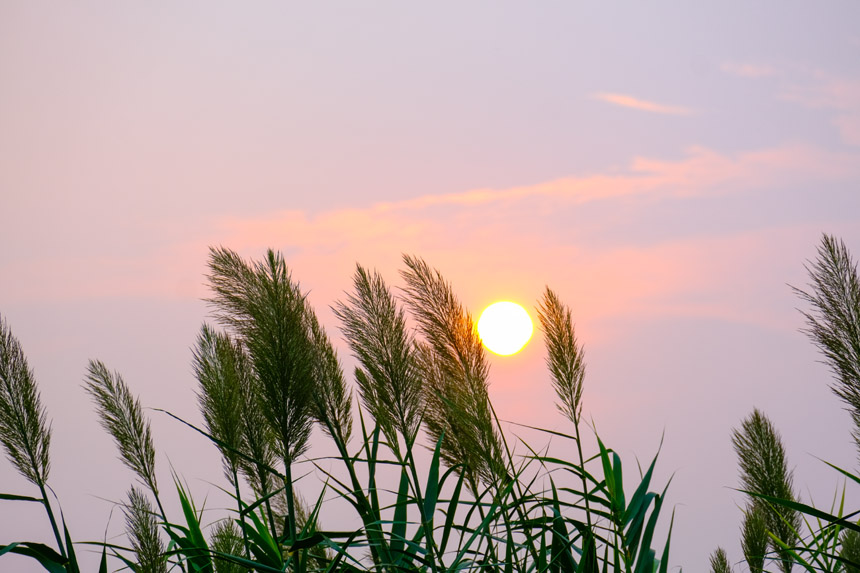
x,y
666,167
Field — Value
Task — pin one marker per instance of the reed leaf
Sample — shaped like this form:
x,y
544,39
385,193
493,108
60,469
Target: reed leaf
x,y
121,415
764,470
142,531
388,380
24,428
455,373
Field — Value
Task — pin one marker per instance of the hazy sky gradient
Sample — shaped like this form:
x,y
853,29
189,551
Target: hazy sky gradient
x,y
666,167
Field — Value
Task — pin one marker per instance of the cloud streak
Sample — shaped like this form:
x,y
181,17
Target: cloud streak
x,y
586,234
748,70
641,105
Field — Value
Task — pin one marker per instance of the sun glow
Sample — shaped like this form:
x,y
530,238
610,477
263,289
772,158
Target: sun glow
x,y
505,328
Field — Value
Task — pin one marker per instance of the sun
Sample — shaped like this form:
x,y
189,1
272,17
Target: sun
x,y
505,328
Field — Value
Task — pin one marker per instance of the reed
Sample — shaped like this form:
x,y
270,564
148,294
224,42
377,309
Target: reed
x,y
424,461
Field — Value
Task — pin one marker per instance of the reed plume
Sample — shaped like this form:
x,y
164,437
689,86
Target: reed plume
x,y
142,531
833,324
719,561
764,470
220,395
25,431
266,310
388,379
754,537
24,428
121,415
332,403
455,374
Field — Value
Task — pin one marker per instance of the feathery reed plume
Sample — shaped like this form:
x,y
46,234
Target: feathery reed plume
x,y
122,417
764,470
142,530
564,355
332,404
24,427
220,395
268,312
754,537
226,538
834,322
850,550
389,382
455,372
256,439
260,302
565,361
719,561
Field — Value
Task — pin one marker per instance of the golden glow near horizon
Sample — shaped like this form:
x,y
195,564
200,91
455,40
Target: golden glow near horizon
x,y
505,328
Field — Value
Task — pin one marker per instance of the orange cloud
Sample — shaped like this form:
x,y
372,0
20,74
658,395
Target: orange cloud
x,y
634,103
505,243
491,243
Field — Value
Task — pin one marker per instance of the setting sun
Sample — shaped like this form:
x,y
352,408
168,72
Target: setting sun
x,y
505,328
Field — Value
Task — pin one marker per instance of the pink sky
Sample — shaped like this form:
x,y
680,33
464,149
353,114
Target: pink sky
x,y
667,169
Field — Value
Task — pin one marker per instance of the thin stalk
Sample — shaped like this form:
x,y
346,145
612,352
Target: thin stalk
x,y
53,520
241,515
163,515
362,501
426,521
264,489
520,493
582,473
290,525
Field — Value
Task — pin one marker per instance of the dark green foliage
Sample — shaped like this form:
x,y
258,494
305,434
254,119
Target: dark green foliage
x,y
764,470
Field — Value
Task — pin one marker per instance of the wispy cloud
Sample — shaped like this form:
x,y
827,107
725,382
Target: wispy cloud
x,y
748,70
840,95
642,105
814,89
583,233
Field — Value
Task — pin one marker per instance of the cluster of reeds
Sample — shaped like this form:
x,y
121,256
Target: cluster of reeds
x,y
777,529
270,374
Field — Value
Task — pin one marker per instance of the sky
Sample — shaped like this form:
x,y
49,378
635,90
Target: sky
x,y
666,167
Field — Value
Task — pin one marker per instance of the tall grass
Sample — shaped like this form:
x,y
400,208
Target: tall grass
x,y
777,528
433,478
